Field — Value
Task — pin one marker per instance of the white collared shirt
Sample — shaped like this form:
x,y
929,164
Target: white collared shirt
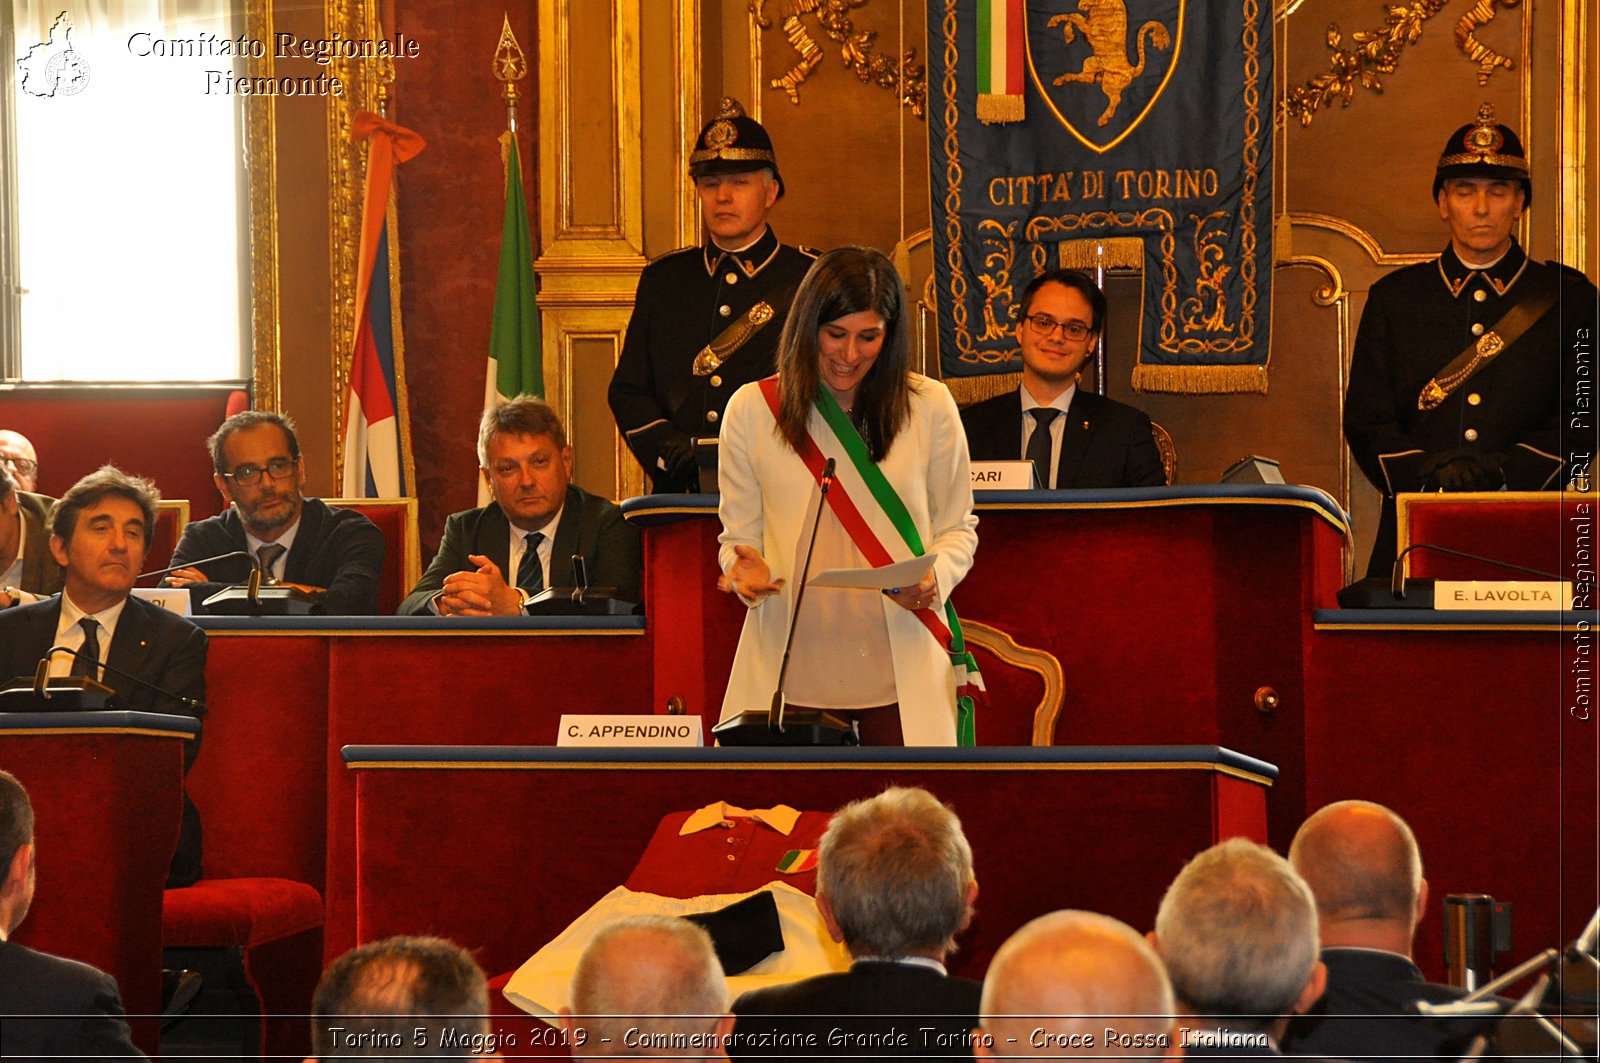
x,y
1058,428
286,540
519,546
69,632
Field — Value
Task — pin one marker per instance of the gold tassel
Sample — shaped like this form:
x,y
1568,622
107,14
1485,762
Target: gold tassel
x,y
969,389
993,108
1201,379
1116,252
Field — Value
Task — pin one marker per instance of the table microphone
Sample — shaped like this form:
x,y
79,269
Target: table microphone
x,y
43,673
1397,578
202,561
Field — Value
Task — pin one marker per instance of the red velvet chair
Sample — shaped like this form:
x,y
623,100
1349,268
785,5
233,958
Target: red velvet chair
x,y
259,783
1537,529
402,562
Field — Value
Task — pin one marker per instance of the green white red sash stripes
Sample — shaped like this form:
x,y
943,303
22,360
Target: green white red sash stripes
x,y
882,529
999,53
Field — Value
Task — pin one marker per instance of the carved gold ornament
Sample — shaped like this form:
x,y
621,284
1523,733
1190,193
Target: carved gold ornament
x,y
904,76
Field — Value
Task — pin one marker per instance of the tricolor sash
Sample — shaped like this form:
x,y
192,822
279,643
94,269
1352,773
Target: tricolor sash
x,y
882,529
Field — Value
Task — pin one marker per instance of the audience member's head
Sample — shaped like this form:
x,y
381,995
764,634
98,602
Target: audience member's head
x,y
523,452
373,1001
1077,983
1237,931
16,852
649,986
894,876
17,454
99,535
256,460
1362,864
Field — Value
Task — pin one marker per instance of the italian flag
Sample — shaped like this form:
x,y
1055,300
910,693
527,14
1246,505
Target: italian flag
x,y
1000,44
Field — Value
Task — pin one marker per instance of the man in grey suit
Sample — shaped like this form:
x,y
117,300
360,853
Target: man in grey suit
x,y
493,560
27,571
1075,438
50,1007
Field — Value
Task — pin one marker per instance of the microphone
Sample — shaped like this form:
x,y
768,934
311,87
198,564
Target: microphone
x,y
775,713
1397,578
204,561
196,707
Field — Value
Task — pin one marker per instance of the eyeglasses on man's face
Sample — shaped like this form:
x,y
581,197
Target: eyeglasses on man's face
x,y
246,475
1046,326
21,466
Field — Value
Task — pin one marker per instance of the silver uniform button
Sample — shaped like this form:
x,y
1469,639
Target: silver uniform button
x,y
1479,296
716,382
1472,399
711,415
1470,435
1477,329
724,310
732,278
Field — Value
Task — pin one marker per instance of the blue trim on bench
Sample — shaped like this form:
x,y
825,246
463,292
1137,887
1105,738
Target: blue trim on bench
x,y
400,625
647,511
1450,618
1021,756
112,720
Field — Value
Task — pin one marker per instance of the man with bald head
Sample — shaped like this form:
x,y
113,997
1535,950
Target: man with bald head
x,y
402,998
649,986
1363,866
1076,983
17,454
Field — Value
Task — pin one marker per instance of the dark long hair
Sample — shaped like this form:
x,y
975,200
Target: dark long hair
x,y
840,283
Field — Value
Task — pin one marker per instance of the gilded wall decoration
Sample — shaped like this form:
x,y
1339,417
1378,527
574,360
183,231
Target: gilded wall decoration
x,y
905,76
1375,54
261,161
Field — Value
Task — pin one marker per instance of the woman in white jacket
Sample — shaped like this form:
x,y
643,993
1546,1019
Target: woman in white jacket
x,y
844,390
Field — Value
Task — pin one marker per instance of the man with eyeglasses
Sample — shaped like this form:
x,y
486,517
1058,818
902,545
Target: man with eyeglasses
x,y
335,554
1075,438
27,571
17,454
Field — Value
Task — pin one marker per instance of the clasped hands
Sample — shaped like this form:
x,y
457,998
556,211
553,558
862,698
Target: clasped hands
x,y
751,579
480,592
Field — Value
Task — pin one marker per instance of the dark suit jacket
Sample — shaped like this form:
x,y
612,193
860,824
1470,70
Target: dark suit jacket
x,y
39,986
1363,1013
157,646
339,549
590,525
872,1000
1104,443
40,573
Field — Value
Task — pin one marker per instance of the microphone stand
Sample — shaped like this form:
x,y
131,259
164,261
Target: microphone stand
x,y
808,728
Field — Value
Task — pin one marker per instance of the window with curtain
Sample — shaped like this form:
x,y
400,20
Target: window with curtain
x,y
124,248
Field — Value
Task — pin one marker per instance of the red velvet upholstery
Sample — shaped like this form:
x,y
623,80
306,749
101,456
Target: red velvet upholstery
x,y
243,912
159,432
1472,736
469,690
402,565
546,844
106,808
1537,529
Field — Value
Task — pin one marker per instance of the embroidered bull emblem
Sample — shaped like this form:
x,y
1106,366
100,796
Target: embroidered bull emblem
x,y
1104,25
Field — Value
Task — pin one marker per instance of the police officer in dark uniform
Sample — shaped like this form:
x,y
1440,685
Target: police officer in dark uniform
x,y
707,319
1464,374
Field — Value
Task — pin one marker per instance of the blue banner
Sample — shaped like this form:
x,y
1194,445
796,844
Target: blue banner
x,y
1145,143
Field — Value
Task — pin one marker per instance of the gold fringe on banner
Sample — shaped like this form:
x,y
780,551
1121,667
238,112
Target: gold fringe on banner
x,y
969,389
1117,252
993,108
1201,379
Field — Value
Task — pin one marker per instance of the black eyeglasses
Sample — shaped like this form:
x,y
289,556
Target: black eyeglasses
x,y
21,466
245,475
1045,325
